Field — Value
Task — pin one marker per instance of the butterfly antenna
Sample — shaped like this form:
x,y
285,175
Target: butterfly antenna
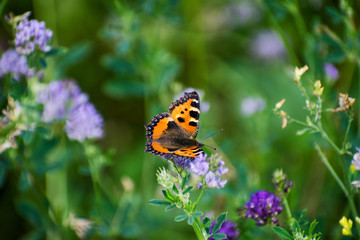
x,y
212,135
214,148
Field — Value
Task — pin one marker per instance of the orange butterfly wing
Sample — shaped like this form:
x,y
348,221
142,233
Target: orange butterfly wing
x,y
172,135
186,113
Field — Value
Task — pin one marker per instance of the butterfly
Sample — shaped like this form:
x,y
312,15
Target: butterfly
x,y
172,135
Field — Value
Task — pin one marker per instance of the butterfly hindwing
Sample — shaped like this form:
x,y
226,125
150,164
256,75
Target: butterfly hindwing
x,y
186,113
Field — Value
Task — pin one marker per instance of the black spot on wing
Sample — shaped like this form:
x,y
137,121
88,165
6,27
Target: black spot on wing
x,y
195,104
180,119
194,114
194,124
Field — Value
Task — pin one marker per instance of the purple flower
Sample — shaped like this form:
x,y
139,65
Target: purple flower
x,y
84,122
252,105
331,71
31,35
267,45
263,206
15,64
59,98
209,169
229,228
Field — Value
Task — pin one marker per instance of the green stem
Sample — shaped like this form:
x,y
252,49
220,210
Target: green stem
x,y
351,118
196,226
198,200
342,186
288,212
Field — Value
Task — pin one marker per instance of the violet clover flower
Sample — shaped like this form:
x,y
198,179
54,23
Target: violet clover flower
x,y
84,122
331,71
32,35
209,169
262,207
229,228
59,98
63,100
252,105
13,63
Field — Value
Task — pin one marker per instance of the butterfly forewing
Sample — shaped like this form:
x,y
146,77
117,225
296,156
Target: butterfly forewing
x,y
186,113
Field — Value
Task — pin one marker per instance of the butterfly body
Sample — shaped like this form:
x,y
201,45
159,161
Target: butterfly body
x,y
174,134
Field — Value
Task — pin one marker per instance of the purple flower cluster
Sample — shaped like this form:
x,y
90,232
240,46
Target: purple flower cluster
x,y
263,206
268,45
331,71
15,64
63,100
229,228
31,35
210,169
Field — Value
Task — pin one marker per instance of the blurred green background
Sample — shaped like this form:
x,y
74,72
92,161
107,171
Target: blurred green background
x,y
134,57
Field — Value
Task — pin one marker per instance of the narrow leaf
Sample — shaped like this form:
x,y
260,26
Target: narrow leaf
x,y
169,208
296,226
219,236
282,233
175,189
180,218
312,226
183,182
219,222
188,189
158,202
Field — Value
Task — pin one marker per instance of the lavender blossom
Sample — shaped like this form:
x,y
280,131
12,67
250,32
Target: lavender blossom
x,y
32,35
252,105
84,122
262,207
59,98
331,71
356,159
13,63
209,169
267,45
229,228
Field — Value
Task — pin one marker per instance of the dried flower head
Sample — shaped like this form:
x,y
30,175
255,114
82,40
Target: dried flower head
x,y
299,73
263,207
345,102
279,104
81,226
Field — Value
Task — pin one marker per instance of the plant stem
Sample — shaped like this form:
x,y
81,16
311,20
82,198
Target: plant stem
x,y
198,200
196,226
288,211
342,186
351,118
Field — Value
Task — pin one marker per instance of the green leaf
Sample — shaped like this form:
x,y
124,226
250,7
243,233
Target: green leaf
x,y
188,189
175,189
336,55
170,196
30,212
2,7
296,226
312,226
180,218
197,214
169,208
335,15
219,236
206,220
220,220
25,180
190,220
282,233
42,62
56,51
183,182
158,202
